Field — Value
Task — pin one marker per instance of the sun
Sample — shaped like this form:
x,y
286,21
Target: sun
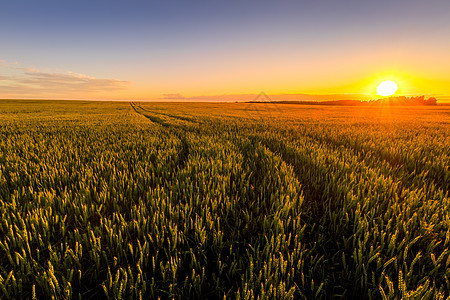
x,y
387,88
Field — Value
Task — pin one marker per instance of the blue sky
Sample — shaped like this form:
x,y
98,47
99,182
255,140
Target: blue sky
x,y
145,49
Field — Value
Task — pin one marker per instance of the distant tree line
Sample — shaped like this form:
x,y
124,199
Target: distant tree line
x,y
399,100
402,100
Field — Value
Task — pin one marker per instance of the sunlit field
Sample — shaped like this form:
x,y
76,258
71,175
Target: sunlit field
x,y
213,200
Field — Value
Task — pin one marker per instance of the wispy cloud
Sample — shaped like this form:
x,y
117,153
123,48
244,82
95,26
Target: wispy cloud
x,y
71,82
4,63
173,97
20,81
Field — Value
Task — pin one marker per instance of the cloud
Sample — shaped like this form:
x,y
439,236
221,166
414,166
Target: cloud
x,y
70,81
5,63
172,96
32,82
27,69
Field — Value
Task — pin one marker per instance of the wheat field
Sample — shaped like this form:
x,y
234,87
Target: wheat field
x,y
118,200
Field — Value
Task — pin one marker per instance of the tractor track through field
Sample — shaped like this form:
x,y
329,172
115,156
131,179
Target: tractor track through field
x,y
173,129
313,196
182,118
151,118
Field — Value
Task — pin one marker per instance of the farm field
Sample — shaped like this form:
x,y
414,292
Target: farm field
x,y
117,200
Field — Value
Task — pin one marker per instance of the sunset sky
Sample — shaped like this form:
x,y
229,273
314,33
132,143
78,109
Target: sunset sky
x,y
222,50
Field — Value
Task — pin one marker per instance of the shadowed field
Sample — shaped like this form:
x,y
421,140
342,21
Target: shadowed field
x,y
207,200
